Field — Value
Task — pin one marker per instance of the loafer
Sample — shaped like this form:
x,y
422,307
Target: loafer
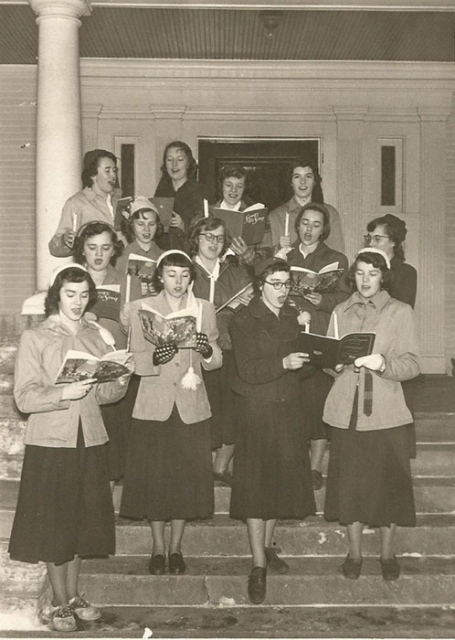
x,y
317,479
157,565
177,564
351,568
257,585
276,564
390,568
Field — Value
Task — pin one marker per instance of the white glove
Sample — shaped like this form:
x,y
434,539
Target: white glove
x,y
374,362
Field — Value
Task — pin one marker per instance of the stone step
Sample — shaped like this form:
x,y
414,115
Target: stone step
x,y
312,581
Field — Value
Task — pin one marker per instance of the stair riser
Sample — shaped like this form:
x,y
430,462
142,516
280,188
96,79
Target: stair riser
x,y
20,579
281,590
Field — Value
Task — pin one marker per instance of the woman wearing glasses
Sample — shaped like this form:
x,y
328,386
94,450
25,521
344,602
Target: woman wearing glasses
x,y
310,251
388,234
272,477
217,280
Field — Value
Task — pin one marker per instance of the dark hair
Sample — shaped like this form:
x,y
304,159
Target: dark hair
x,y
395,229
126,225
315,206
174,259
91,168
272,266
378,262
202,225
308,161
95,229
182,146
232,171
71,274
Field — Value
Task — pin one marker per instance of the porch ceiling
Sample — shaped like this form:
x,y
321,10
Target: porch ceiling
x,y
223,34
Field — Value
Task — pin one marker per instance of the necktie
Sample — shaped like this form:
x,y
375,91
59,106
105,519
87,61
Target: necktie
x,y
368,393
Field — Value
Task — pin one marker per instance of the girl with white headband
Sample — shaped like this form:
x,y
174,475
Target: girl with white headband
x,y
168,474
369,477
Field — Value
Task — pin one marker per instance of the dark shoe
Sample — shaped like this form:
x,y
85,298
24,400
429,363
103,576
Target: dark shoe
x,y
351,568
317,479
257,585
177,564
390,568
157,565
275,563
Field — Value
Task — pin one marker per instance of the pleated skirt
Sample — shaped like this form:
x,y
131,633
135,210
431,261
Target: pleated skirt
x,y
369,478
272,475
168,474
64,506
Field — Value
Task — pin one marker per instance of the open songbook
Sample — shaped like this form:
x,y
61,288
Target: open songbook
x,y
140,270
327,352
306,281
249,224
234,303
108,302
79,365
177,328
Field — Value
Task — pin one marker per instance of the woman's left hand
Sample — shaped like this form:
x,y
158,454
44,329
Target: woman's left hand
x,y
130,365
374,362
314,298
202,345
176,221
304,318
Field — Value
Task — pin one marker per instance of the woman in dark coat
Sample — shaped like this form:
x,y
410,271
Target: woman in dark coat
x,y
310,251
388,234
272,476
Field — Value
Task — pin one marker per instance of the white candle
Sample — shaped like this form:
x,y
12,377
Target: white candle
x,y
335,326
286,224
199,318
75,221
128,288
206,208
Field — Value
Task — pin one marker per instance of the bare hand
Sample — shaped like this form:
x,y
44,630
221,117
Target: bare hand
x,y
374,362
68,238
240,248
131,366
245,298
304,318
77,390
285,241
295,361
314,298
176,221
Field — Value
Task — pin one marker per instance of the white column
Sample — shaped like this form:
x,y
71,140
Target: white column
x,y
58,136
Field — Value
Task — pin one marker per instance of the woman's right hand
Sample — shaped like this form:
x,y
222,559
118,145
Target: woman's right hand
x,y
176,221
77,390
285,241
68,238
164,353
295,361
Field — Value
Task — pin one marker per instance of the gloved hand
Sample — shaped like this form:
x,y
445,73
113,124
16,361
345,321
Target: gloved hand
x,y
203,346
374,362
164,353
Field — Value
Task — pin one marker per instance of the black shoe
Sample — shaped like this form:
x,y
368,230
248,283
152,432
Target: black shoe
x,y
274,562
351,568
157,565
317,479
177,564
390,568
257,585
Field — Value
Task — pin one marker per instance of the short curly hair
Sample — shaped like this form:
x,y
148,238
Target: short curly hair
x,y
182,146
126,225
172,259
91,169
203,225
71,274
95,229
378,262
270,266
315,206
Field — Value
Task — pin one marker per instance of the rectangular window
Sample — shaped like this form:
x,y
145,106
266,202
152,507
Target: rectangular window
x,y
127,169
390,194
388,176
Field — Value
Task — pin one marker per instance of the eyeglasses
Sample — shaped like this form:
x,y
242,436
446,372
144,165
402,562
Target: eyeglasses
x,y
279,285
375,238
212,238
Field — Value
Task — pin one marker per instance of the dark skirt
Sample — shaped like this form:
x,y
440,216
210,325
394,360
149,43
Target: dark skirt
x,y
117,420
168,474
218,384
369,478
272,475
410,390
315,390
64,506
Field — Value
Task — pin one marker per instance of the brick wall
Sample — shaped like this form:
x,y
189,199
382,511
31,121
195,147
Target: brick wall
x,y
17,185
450,239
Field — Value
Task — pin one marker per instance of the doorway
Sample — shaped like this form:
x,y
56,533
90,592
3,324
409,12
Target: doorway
x,y
267,163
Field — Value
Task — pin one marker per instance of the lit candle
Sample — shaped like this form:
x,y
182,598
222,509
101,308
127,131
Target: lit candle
x,y
128,288
199,318
206,208
335,326
75,221
286,224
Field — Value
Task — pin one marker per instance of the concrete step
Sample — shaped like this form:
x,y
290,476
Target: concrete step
x,y
312,581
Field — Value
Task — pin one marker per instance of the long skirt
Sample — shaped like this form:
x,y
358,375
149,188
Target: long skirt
x,y
117,418
64,506
222,401
369,478
168,474
272,475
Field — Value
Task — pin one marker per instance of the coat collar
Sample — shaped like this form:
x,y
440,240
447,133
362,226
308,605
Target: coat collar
x,y
259,310
378,301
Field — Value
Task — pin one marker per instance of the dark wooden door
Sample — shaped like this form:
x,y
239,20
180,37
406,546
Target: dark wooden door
x,y
266,161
